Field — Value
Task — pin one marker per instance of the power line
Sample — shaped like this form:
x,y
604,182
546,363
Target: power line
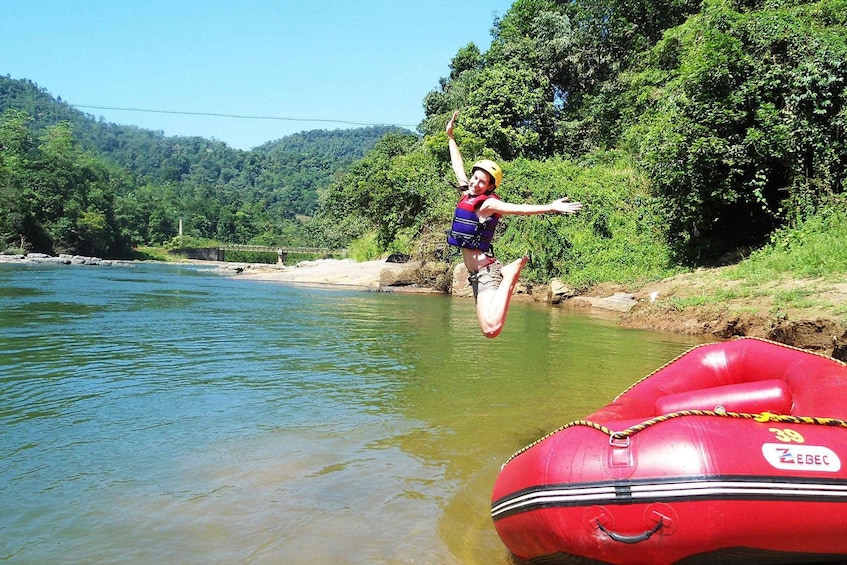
x,y
236,116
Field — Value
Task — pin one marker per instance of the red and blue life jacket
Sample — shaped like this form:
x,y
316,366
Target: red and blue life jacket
x,y
468,230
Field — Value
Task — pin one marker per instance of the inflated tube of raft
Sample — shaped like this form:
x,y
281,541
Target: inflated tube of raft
x,y
772,395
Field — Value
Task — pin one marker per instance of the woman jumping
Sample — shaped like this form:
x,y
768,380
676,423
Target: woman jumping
x,y
474,220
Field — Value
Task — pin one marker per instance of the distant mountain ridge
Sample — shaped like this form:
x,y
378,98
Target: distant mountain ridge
x,y
295,166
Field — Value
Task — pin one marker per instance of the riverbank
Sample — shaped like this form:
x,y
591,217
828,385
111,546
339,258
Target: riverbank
x,y
805,313
809,314
61,259
701,303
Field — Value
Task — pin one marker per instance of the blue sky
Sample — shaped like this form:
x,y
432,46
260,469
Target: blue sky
x,y
369,62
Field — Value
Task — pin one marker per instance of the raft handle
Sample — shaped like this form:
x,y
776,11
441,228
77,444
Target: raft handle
x,y
634,538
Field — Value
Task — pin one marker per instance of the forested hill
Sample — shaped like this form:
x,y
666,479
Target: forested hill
x,y
159,158
219,192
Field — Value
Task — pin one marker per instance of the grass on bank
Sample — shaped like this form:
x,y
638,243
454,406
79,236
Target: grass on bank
x,y
815,249
799,270
152,254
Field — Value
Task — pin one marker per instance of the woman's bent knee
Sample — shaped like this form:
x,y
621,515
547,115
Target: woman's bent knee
x,y
491,330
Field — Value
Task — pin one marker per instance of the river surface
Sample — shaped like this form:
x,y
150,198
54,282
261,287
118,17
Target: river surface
x,y
168,414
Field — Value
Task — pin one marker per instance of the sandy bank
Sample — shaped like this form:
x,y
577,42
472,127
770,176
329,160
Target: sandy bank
x,y
337,272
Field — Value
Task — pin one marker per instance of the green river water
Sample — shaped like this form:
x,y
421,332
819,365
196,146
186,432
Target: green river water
x,y
168,414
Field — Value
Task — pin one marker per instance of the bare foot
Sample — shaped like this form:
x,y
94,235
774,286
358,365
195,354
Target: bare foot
x,y
513,269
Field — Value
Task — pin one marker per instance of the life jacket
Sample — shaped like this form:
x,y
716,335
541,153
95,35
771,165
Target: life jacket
x,y
468,230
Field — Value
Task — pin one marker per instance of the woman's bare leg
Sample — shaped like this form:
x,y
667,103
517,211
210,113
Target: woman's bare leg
x,y
493,305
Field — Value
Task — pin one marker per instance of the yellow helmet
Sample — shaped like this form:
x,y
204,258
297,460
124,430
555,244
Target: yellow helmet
x,y
492,169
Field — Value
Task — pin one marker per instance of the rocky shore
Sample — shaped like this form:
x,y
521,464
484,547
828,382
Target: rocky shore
x,y
61,259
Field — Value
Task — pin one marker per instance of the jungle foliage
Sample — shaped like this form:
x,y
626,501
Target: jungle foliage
x,y
691,129
152,181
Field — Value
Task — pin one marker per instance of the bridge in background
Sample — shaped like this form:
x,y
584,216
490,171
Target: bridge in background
x,y
219,253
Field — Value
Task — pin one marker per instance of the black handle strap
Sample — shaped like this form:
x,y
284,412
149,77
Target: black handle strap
x,y
633,538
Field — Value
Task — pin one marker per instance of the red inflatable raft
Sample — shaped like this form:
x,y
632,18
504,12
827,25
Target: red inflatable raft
x,y
734,452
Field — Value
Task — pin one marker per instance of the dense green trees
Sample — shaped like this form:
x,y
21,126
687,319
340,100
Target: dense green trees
x,y
262,196
54,196
741,121
539,90
388,188
732,111
690,128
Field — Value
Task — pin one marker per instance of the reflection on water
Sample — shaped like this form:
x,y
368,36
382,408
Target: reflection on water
x,y
162,413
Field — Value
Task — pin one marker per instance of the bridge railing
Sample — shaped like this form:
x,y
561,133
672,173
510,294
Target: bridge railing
x,y
219,253
277,248
281,251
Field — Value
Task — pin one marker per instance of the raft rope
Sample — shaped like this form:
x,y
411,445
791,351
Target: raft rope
x,y
763,417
